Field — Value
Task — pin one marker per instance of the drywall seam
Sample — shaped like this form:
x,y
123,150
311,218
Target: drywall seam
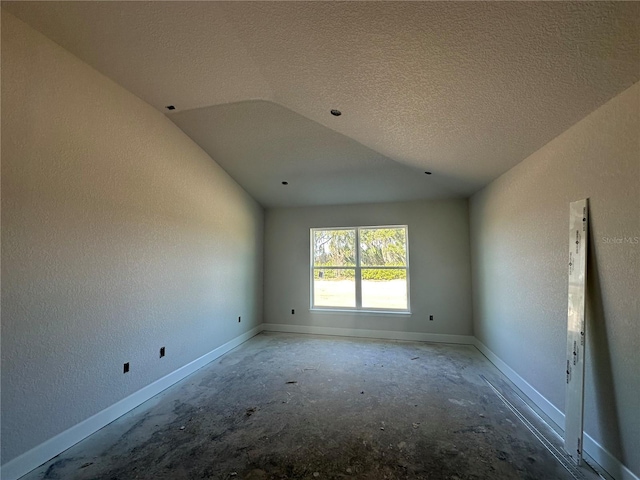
x,y
40,454
597,452
362,333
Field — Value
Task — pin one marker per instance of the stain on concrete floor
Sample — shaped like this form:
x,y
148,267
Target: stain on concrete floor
x,y
285,406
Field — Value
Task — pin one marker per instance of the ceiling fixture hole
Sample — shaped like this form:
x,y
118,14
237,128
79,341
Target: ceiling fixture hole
x,y
428,173
285,183
336,113
170,107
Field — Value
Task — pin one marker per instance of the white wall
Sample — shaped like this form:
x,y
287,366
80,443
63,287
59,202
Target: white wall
x,y
119,235
519,237
438,256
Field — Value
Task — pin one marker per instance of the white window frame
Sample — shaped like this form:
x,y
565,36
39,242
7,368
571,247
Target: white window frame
x,y
358,273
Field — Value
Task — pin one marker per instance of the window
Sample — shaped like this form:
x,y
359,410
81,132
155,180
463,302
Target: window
x,y
360,268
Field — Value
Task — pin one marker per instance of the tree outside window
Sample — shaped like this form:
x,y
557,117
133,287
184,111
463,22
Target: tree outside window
x,y
360,268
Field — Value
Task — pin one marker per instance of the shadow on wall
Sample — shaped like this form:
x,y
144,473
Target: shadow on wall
x,y
598,344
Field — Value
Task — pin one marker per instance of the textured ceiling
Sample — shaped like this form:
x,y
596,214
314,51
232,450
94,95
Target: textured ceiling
x,y
464,89
261,144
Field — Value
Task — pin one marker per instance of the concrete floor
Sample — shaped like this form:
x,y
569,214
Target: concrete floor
x,y
287,406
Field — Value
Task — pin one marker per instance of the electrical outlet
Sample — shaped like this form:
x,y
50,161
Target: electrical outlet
x,y
431,317
239,319
126,368
293,312
161,352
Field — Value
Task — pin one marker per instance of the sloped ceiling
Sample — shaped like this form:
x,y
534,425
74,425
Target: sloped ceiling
x,y
465,90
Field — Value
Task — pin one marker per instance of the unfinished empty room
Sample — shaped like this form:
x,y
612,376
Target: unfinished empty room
x,y
320,240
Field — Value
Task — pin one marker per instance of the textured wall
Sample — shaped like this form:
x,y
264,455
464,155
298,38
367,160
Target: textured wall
x,y
119,235
438,260
519,226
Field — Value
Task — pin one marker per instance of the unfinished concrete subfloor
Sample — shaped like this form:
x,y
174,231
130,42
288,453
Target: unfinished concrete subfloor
x,y
287,406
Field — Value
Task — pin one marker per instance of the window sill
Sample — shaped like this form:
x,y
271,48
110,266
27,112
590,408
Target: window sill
x,y
360,312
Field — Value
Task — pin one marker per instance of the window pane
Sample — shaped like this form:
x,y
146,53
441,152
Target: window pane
x,y
383,247
384,288
334,287
334,248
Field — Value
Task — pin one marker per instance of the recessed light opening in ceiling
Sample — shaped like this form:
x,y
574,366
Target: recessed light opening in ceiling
x,y
170,107
336,113
285,183
428,173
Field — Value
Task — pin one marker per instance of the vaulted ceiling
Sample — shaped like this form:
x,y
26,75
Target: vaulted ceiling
x,y
465,90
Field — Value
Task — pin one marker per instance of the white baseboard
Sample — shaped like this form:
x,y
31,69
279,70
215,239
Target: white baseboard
x,y
536,397
360,333
35,457
597,452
